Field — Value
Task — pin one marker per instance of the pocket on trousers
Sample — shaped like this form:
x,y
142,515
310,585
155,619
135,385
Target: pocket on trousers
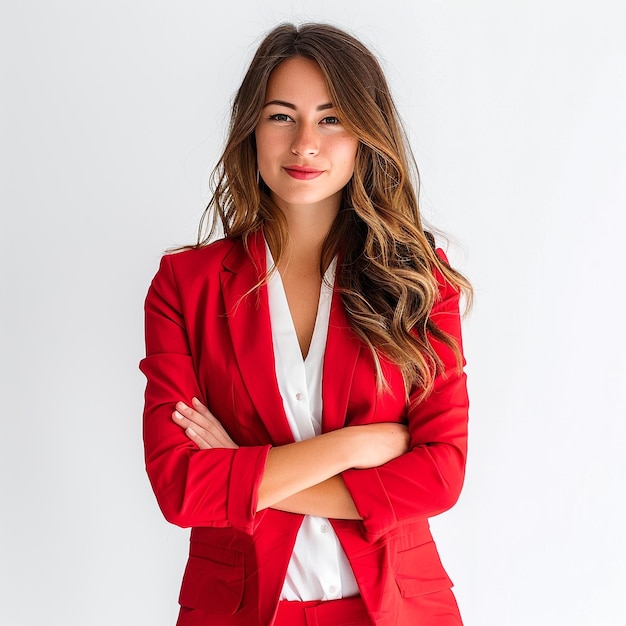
x,y
419,571
213,580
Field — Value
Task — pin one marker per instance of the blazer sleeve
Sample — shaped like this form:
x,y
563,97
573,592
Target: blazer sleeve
x,y
427,480
215,487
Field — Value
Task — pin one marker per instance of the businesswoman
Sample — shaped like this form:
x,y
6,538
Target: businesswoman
x,y
306,407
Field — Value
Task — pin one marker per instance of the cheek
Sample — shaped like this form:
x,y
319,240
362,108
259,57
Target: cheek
x,y
265,144
346,154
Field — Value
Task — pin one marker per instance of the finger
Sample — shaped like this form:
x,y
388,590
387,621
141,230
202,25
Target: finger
x,y
196,438
213,425
201,408
180,419
193,416
206,428
185,423
205,412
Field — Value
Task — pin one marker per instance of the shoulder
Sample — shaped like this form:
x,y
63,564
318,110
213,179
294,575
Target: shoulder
x,y
193,261
444,286
442,255
186,271
439,263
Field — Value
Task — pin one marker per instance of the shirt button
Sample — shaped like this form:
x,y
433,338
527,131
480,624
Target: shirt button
x,y
332,589
324,528
299,396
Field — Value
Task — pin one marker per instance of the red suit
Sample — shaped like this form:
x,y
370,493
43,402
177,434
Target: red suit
x,y
208,335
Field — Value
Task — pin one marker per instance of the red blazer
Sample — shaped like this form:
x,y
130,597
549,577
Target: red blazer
x,y
208,335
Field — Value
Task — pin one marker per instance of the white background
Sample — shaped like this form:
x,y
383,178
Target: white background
x,y
113,114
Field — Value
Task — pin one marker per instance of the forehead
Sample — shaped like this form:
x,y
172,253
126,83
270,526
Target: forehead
x,y
297,79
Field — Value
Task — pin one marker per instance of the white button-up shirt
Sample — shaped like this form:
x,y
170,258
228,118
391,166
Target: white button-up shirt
x,y
319,568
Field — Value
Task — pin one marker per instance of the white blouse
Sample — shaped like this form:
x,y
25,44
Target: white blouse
x,y
319,568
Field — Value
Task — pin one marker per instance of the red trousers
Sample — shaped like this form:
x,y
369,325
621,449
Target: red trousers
x,y
346,612
431,609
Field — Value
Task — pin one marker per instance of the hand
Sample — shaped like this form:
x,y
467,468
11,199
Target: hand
x,y
377,444
201,426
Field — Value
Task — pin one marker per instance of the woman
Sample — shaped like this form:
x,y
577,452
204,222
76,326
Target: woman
x,y
306,408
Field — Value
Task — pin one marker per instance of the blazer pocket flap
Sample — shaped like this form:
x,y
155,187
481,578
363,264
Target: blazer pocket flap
x,y
213,580
419,571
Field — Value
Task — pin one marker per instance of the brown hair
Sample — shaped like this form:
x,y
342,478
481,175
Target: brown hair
x,y
386,276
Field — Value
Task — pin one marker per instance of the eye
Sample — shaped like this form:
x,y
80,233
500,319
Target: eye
x,y
331,120
280,117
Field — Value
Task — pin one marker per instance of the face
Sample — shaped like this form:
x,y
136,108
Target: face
x,y
304,154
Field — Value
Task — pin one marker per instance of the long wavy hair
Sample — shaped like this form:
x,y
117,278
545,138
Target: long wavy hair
x,y
385,276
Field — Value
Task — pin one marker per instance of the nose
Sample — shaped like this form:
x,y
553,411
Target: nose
x,y
305,140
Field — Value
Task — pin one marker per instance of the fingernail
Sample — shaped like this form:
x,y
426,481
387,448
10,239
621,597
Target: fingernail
x,y
182,406
191,431
177,415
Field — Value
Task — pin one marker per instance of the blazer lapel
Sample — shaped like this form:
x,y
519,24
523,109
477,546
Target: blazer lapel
x,y
340,358
251,334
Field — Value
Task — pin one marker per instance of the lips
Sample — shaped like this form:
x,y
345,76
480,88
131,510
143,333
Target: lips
x,y
302,173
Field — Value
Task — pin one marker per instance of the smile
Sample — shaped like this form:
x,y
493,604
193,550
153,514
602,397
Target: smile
x,y
302,173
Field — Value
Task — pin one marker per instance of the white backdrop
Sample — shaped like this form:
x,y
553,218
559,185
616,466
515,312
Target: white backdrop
x,y
112,116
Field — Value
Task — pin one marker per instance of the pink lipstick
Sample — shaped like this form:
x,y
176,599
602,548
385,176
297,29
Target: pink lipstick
x,y
302,173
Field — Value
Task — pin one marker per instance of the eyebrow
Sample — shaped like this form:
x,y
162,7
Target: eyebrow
x,y
289,105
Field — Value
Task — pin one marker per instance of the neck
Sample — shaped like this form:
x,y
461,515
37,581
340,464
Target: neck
x,y
308,227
